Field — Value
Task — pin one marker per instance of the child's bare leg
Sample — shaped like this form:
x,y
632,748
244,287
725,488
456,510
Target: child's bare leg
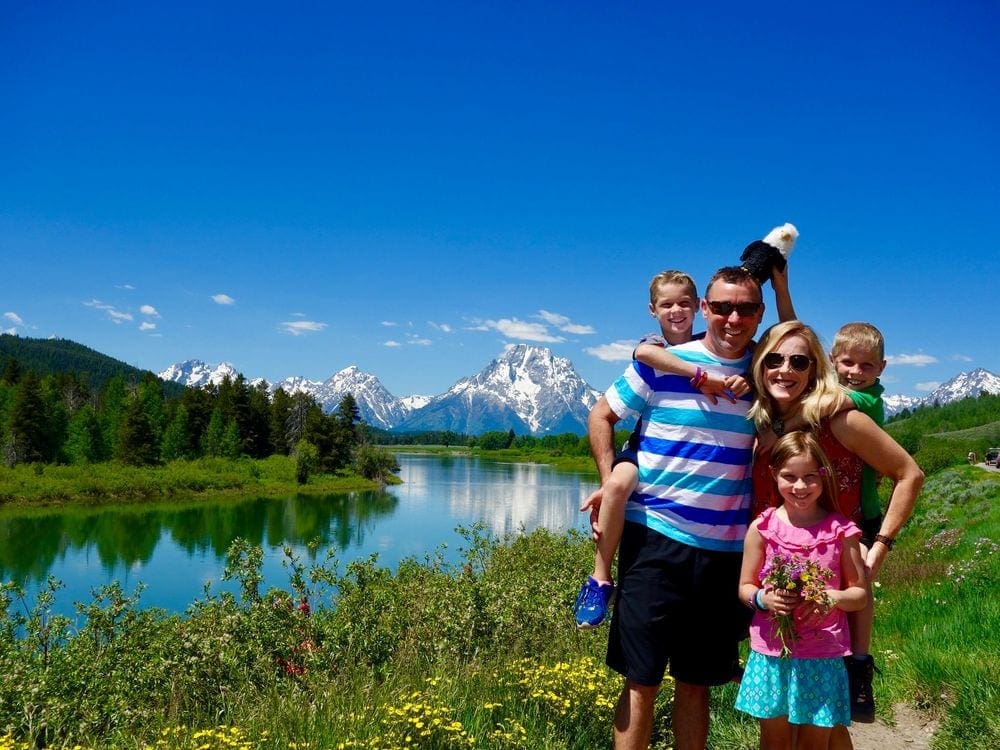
x,y
840,739
812,737
611,517
775,734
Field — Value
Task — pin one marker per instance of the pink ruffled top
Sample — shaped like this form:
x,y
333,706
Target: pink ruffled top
x,y
824,544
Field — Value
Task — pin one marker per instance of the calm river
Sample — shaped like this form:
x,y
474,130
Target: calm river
x,y
176,549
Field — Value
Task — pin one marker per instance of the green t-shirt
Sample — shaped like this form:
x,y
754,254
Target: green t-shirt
x,y
869,401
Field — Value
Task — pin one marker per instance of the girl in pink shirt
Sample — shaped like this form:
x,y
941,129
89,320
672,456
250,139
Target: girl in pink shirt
x,y
802,572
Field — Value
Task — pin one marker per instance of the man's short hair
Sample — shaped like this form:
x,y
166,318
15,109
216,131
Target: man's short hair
x,y
735,275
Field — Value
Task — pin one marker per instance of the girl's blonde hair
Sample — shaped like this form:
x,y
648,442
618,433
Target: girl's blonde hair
x,y
823,396
800,443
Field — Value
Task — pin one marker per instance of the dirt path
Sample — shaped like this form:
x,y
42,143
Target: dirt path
x,y
912,731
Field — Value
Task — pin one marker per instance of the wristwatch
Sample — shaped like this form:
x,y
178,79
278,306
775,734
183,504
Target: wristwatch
x,y
888,541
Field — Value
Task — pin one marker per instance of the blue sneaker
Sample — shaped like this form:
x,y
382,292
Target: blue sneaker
x,y
592,603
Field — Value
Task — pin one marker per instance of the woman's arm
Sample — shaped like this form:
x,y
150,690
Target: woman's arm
x,y
852,595
873,445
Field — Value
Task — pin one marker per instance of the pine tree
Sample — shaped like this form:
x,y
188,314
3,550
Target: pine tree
x,y
212,441
137,444
27,429
177,438
85,443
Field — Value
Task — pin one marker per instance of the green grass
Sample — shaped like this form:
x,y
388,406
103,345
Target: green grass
x,y
480,654
37,484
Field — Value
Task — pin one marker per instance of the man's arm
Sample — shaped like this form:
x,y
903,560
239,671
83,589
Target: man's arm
x,y
601,432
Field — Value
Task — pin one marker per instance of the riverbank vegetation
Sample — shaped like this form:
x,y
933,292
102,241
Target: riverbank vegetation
x,y
480,654
62,440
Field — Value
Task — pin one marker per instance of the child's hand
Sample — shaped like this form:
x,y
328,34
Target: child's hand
x,y
780,601
738,385
813,612
715,386
593,504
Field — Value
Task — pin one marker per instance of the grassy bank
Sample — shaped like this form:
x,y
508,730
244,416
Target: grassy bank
x,y
481,654
37,484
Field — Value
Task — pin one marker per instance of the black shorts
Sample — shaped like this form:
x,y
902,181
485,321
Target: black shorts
x,y
676,605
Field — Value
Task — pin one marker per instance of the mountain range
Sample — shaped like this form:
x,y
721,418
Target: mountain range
x,y
526,389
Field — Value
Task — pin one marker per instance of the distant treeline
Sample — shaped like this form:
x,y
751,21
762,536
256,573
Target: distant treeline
x,y
567,443
61,417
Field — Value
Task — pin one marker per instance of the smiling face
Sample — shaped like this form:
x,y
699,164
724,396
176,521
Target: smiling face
x,y
729,333
800,483
673,307
784,383
857,367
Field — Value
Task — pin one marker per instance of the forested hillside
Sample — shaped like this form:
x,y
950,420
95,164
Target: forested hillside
x,y
940,436
57,356
61,417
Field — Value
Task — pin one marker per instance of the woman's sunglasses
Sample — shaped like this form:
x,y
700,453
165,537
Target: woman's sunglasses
x,y
799,362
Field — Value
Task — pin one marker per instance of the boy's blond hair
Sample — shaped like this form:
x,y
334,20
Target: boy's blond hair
x,y
859,336
671,277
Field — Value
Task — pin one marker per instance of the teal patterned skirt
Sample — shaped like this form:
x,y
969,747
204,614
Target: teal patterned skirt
x,y
807,691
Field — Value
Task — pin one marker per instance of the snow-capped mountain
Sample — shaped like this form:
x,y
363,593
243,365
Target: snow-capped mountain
x,y
963,385
527,390
196,373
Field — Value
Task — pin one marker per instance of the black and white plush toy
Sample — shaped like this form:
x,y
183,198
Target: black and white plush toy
x,y
760,256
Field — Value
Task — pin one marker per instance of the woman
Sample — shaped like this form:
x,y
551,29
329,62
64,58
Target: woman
x,y
797,389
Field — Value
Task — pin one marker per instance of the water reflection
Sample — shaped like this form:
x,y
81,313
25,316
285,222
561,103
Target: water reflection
x,y
127,538
176,548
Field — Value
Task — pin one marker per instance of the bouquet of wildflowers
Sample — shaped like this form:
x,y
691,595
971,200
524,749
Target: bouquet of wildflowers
x,y
801,575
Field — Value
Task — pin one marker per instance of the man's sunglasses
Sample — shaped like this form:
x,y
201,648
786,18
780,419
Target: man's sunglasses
x,y
799,362
743,309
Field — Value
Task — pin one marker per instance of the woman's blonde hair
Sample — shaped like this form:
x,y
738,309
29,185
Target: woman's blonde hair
x,y
823,395
800,443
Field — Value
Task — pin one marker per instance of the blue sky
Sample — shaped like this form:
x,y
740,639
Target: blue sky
x,y
409,188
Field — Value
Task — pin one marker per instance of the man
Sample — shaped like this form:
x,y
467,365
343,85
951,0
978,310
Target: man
x,y
681,549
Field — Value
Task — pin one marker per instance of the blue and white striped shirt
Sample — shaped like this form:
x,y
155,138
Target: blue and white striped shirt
x,y
694,457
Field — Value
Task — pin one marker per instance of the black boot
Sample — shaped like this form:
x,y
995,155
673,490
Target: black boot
x,y
860,673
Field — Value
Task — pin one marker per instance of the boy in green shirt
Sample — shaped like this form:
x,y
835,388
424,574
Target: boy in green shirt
x,y
858,354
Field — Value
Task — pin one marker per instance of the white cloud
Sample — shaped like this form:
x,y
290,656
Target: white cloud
x,y
301,327
564,324
150,311
930,385
418,341
391,343
11,331
147,326
14,318
616,351
116,316
519,329
443,327
389,324
127,287
916,360
961,358
223,299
